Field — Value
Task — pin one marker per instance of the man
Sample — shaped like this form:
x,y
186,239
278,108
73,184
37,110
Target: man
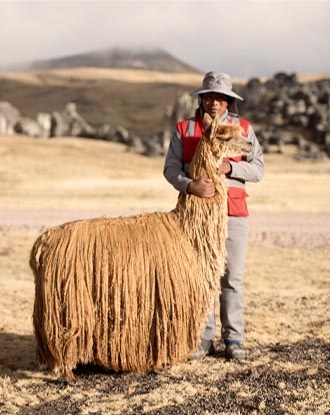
x,y
219,100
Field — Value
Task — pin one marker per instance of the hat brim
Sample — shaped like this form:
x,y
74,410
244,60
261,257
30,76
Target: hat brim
x,y
200,91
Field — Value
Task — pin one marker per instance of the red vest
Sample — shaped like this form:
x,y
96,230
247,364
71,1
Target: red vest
x,y
236,195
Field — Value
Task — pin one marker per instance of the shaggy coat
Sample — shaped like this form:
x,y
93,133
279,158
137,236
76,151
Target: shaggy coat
x,y
131,294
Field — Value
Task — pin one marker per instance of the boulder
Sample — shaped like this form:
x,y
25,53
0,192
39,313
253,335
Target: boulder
x,y
9,115
44,120
28,126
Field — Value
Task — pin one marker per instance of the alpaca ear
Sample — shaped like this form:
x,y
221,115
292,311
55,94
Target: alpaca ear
x,y
207,120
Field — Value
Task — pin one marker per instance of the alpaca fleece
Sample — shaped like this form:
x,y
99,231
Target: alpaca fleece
x,y
131,294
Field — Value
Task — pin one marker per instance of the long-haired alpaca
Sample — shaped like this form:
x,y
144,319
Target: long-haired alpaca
x,y
132,293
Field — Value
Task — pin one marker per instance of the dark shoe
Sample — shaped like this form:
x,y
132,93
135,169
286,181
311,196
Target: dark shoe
x,y
206,348
234,351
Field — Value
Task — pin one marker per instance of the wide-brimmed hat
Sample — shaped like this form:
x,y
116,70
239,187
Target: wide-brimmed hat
x,y
217,83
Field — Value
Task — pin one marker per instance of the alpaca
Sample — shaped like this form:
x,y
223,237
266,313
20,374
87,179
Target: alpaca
x,y
131,294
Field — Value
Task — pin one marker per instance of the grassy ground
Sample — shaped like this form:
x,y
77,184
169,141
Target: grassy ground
x,y
287,367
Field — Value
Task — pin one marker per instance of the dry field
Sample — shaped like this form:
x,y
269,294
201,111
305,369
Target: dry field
x,y
115,96
287,285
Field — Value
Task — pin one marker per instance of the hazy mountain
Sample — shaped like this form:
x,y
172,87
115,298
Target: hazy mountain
x,y
154,60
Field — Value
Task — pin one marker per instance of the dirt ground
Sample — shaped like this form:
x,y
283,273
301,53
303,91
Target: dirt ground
x,y
287,286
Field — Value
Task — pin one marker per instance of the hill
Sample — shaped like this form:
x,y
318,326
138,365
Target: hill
x,y
135,99
127,87
153,60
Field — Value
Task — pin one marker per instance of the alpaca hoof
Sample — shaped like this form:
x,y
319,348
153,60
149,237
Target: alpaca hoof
x,y
69,376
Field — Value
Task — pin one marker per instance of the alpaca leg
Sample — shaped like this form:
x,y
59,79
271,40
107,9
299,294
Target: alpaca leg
x,y
69,376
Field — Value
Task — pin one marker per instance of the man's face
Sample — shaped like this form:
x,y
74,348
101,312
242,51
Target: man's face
x,y
214,104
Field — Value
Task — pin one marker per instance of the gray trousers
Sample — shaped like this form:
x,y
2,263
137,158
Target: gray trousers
x,y
231,297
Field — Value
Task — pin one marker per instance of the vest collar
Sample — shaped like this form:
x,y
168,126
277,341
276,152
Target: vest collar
x,y
224,116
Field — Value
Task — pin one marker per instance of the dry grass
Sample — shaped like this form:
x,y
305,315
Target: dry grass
x,y
95,175
100,175
63,76
287,286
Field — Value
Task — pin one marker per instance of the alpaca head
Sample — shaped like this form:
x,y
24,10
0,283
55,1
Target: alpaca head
x,y
225,140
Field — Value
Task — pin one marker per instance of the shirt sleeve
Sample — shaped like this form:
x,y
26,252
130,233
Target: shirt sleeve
x,y
173,168
251,170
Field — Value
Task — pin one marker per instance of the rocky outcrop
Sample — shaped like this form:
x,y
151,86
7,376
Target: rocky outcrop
x,y
289,111
9,115
28,126
282,111
184,106
55,124
69,123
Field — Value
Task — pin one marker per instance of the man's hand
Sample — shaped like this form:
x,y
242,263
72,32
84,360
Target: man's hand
x,y
224,168
202,187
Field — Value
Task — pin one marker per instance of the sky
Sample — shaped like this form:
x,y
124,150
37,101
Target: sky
x,y
242,38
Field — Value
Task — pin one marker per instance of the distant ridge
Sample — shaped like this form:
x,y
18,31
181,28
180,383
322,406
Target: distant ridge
x,y
153,60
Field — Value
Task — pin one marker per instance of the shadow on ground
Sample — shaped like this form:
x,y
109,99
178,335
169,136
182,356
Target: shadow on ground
x,y
295,376
17,354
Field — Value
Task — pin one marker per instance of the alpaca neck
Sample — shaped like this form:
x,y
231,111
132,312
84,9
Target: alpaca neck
x,y
202,165
204,220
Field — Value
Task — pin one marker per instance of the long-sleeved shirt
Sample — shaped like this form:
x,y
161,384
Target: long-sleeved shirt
x,y
251,170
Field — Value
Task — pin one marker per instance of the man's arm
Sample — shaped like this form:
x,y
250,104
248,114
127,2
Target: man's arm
x,y
251,170
173,168
175,174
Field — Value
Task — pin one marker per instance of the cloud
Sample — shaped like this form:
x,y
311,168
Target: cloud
x,y
244,38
